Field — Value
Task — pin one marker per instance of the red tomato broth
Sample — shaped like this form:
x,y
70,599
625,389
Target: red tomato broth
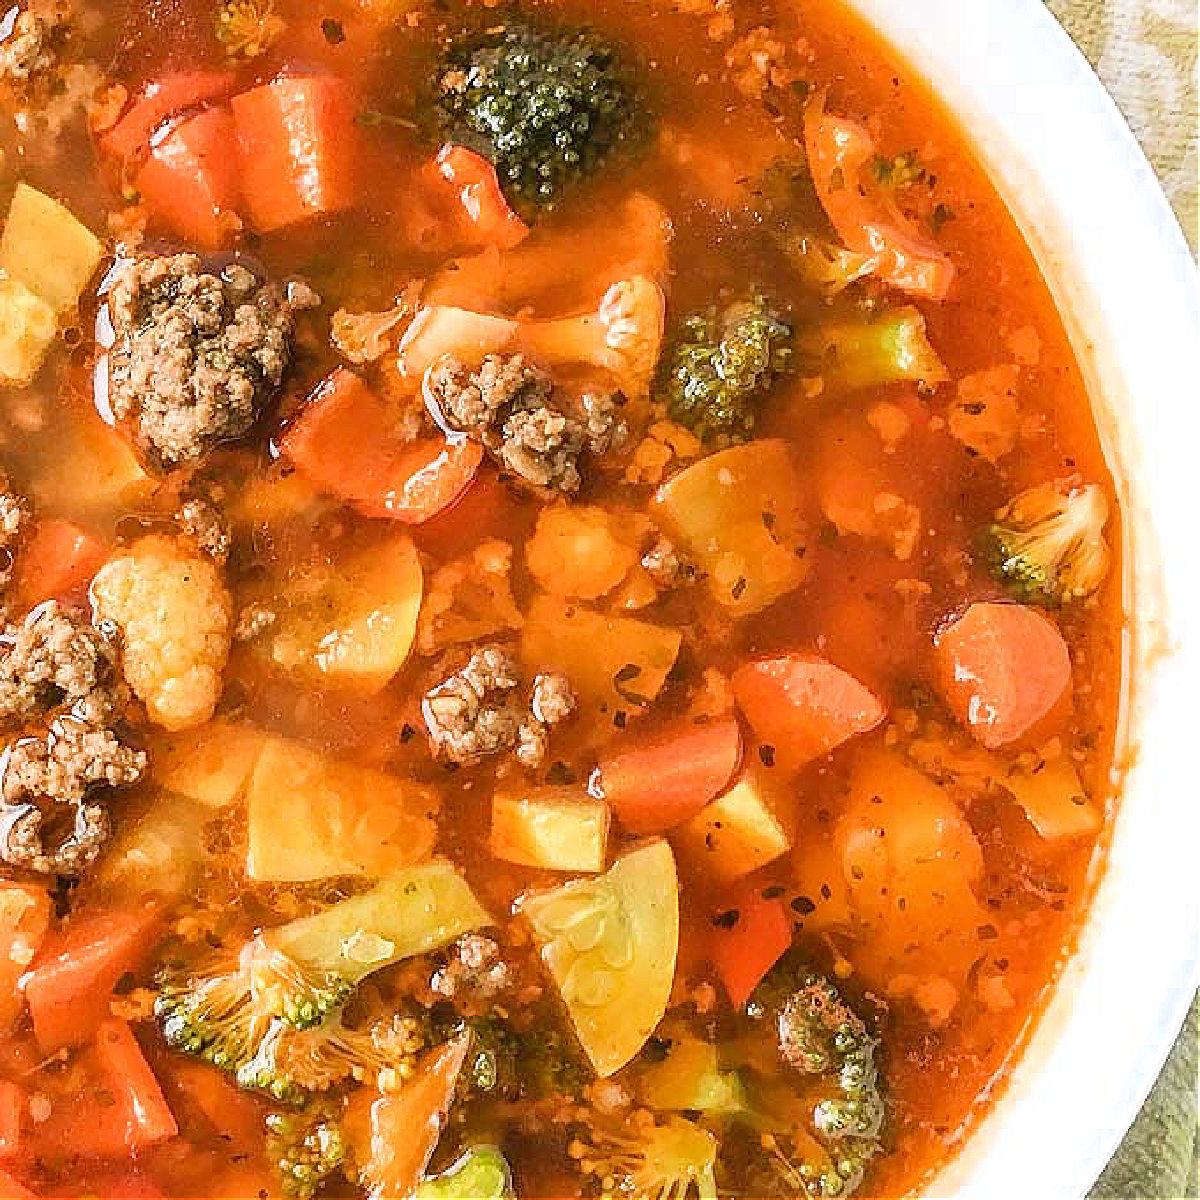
x,y
853,608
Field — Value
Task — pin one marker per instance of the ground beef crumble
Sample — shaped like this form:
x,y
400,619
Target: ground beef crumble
x,y
473,964
14,516
477,712
507,404
57,665
206,525
196,355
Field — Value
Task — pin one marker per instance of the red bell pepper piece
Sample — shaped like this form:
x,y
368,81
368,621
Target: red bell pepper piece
x,y
748,939
130,137
190,180
343,442
298,145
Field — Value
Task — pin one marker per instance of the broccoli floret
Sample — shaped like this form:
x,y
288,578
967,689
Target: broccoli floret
x,y
547,107
1047,545
826,1043
716,373
307,1148
672,1160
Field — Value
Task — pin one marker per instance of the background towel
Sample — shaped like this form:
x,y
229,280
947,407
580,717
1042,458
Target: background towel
x,y
1145,53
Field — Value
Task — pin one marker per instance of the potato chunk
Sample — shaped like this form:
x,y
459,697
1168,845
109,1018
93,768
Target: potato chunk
x,y
175,614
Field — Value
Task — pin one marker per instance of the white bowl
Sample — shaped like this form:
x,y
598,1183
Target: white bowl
x,y
1116,261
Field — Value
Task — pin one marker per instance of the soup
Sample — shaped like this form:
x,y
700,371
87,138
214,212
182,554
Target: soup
x,y
563,631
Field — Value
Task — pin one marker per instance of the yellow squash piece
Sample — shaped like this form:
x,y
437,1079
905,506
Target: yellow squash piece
x,y
92,472
350,622
550,828
610,945
738,832
1054,800
310,817
27,330
47,249
160,853
736,515
615,664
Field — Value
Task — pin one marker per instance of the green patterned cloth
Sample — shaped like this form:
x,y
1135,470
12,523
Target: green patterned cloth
x,y
1145,53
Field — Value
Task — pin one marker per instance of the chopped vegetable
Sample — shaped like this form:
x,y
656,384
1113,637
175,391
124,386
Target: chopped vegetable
x,y
309,817
736,514
57,559
722,364
690,1079
850,355
840,155
660,782
69,986
738,832
27,331
25,912
668,1161
1054,799
550,828
615,664
190,179
1047,544
129,139
345,441
474,181
1004,670
579,550
210,765
12,1109
803,707
349,622
394,1136
47,249
609,944
751,933
438,330
481,1173
160,853
298,149
138,1103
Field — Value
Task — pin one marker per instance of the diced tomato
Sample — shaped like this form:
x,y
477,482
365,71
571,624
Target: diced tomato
x,y
478,189
190,180
840,152
130,137
138,1103
394,1135
71,981
58,558
1004,670
749,937
658,784
802,706
298,144
343,442
12,1110
11,1189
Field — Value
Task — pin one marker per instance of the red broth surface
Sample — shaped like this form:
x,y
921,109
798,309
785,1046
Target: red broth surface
x,y
615,696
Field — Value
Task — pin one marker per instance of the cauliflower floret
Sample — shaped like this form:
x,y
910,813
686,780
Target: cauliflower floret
x,y
176,614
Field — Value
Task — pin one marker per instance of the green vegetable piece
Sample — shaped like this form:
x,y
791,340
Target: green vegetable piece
x,y
671,1161
849,355
718,371
609,944
547,107
482,1173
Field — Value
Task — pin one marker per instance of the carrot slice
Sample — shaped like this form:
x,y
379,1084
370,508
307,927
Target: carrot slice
x,y
1004,670
749,937
478,189
802,707
298,145
394,1135
139,1112
840,152
59,557
12,1108
71,981
190,180
130,136
343,442
658,784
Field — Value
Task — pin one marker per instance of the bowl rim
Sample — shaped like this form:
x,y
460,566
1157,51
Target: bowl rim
x,y
1080,187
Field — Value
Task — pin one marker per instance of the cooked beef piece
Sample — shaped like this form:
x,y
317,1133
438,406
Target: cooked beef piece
x,y
206,525
196,355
